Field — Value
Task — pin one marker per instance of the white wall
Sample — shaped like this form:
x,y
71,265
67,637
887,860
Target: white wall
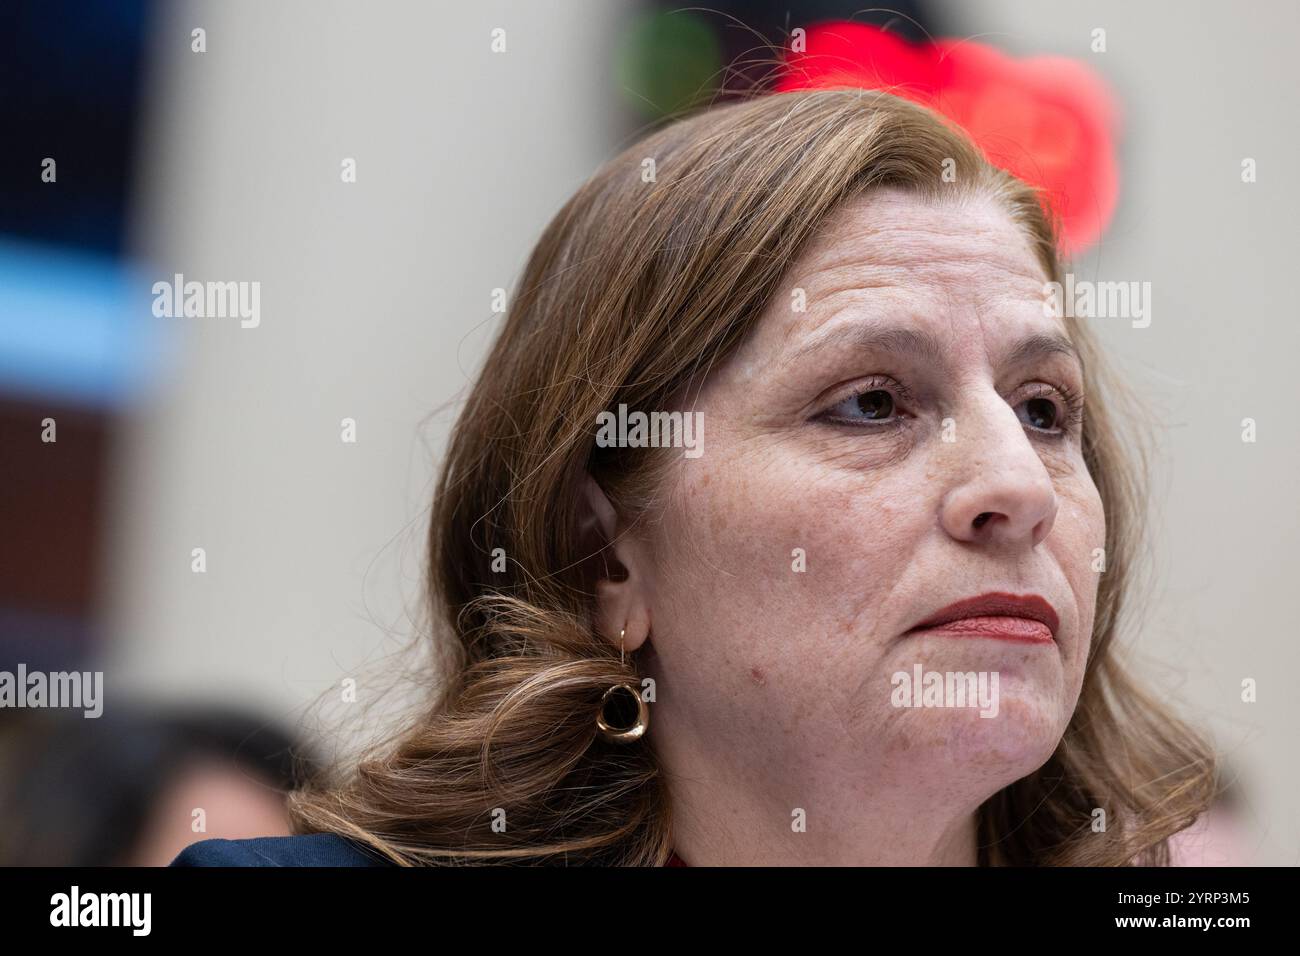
x,y
375,305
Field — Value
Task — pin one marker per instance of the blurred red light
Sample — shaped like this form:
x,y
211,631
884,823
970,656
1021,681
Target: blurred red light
x,y
1049,120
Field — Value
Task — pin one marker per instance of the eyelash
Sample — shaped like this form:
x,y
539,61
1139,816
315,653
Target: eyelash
x,y
873,384
1070,401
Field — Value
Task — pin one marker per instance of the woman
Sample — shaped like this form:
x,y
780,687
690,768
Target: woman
x,y
739,644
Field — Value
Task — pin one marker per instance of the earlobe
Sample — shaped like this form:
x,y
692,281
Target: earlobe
x,y
622,605
621,615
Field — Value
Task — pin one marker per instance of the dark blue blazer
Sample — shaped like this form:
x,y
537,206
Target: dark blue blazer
x,y
313,849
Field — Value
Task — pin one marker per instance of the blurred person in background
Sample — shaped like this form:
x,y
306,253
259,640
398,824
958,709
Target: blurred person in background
x,y
130,788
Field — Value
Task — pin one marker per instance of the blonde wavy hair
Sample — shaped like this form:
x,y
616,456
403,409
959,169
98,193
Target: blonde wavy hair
x,y
632,290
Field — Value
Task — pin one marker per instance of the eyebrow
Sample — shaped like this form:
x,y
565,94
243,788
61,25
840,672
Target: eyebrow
x,y
900,340
1041,345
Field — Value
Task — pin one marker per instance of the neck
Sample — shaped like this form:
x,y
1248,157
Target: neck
x,y
711,836
727,815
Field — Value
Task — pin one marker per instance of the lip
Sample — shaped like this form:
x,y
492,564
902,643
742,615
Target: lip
x,y
1021,618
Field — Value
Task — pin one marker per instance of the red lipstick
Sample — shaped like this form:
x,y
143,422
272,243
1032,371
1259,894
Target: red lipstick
x,y
1024,619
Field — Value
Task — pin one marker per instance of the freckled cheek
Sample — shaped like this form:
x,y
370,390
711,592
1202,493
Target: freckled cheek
x,y
734,515
1080,533
803,546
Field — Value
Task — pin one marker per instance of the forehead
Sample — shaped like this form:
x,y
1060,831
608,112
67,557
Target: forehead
x,y
892,234
951,266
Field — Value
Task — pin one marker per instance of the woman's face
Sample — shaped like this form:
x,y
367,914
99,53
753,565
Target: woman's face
x,y
909,439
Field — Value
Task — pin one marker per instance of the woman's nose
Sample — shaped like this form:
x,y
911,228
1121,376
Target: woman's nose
x,y
1003,493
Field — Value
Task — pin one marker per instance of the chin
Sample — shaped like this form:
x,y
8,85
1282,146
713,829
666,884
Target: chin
x,y
1017,741
1000,749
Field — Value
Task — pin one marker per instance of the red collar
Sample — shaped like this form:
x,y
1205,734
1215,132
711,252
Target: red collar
x,y
675,860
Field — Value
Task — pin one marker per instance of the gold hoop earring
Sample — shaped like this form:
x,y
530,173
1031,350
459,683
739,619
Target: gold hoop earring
x,y
631,732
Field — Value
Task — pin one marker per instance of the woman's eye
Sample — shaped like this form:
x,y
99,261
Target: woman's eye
x,y
1039,413
873,405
